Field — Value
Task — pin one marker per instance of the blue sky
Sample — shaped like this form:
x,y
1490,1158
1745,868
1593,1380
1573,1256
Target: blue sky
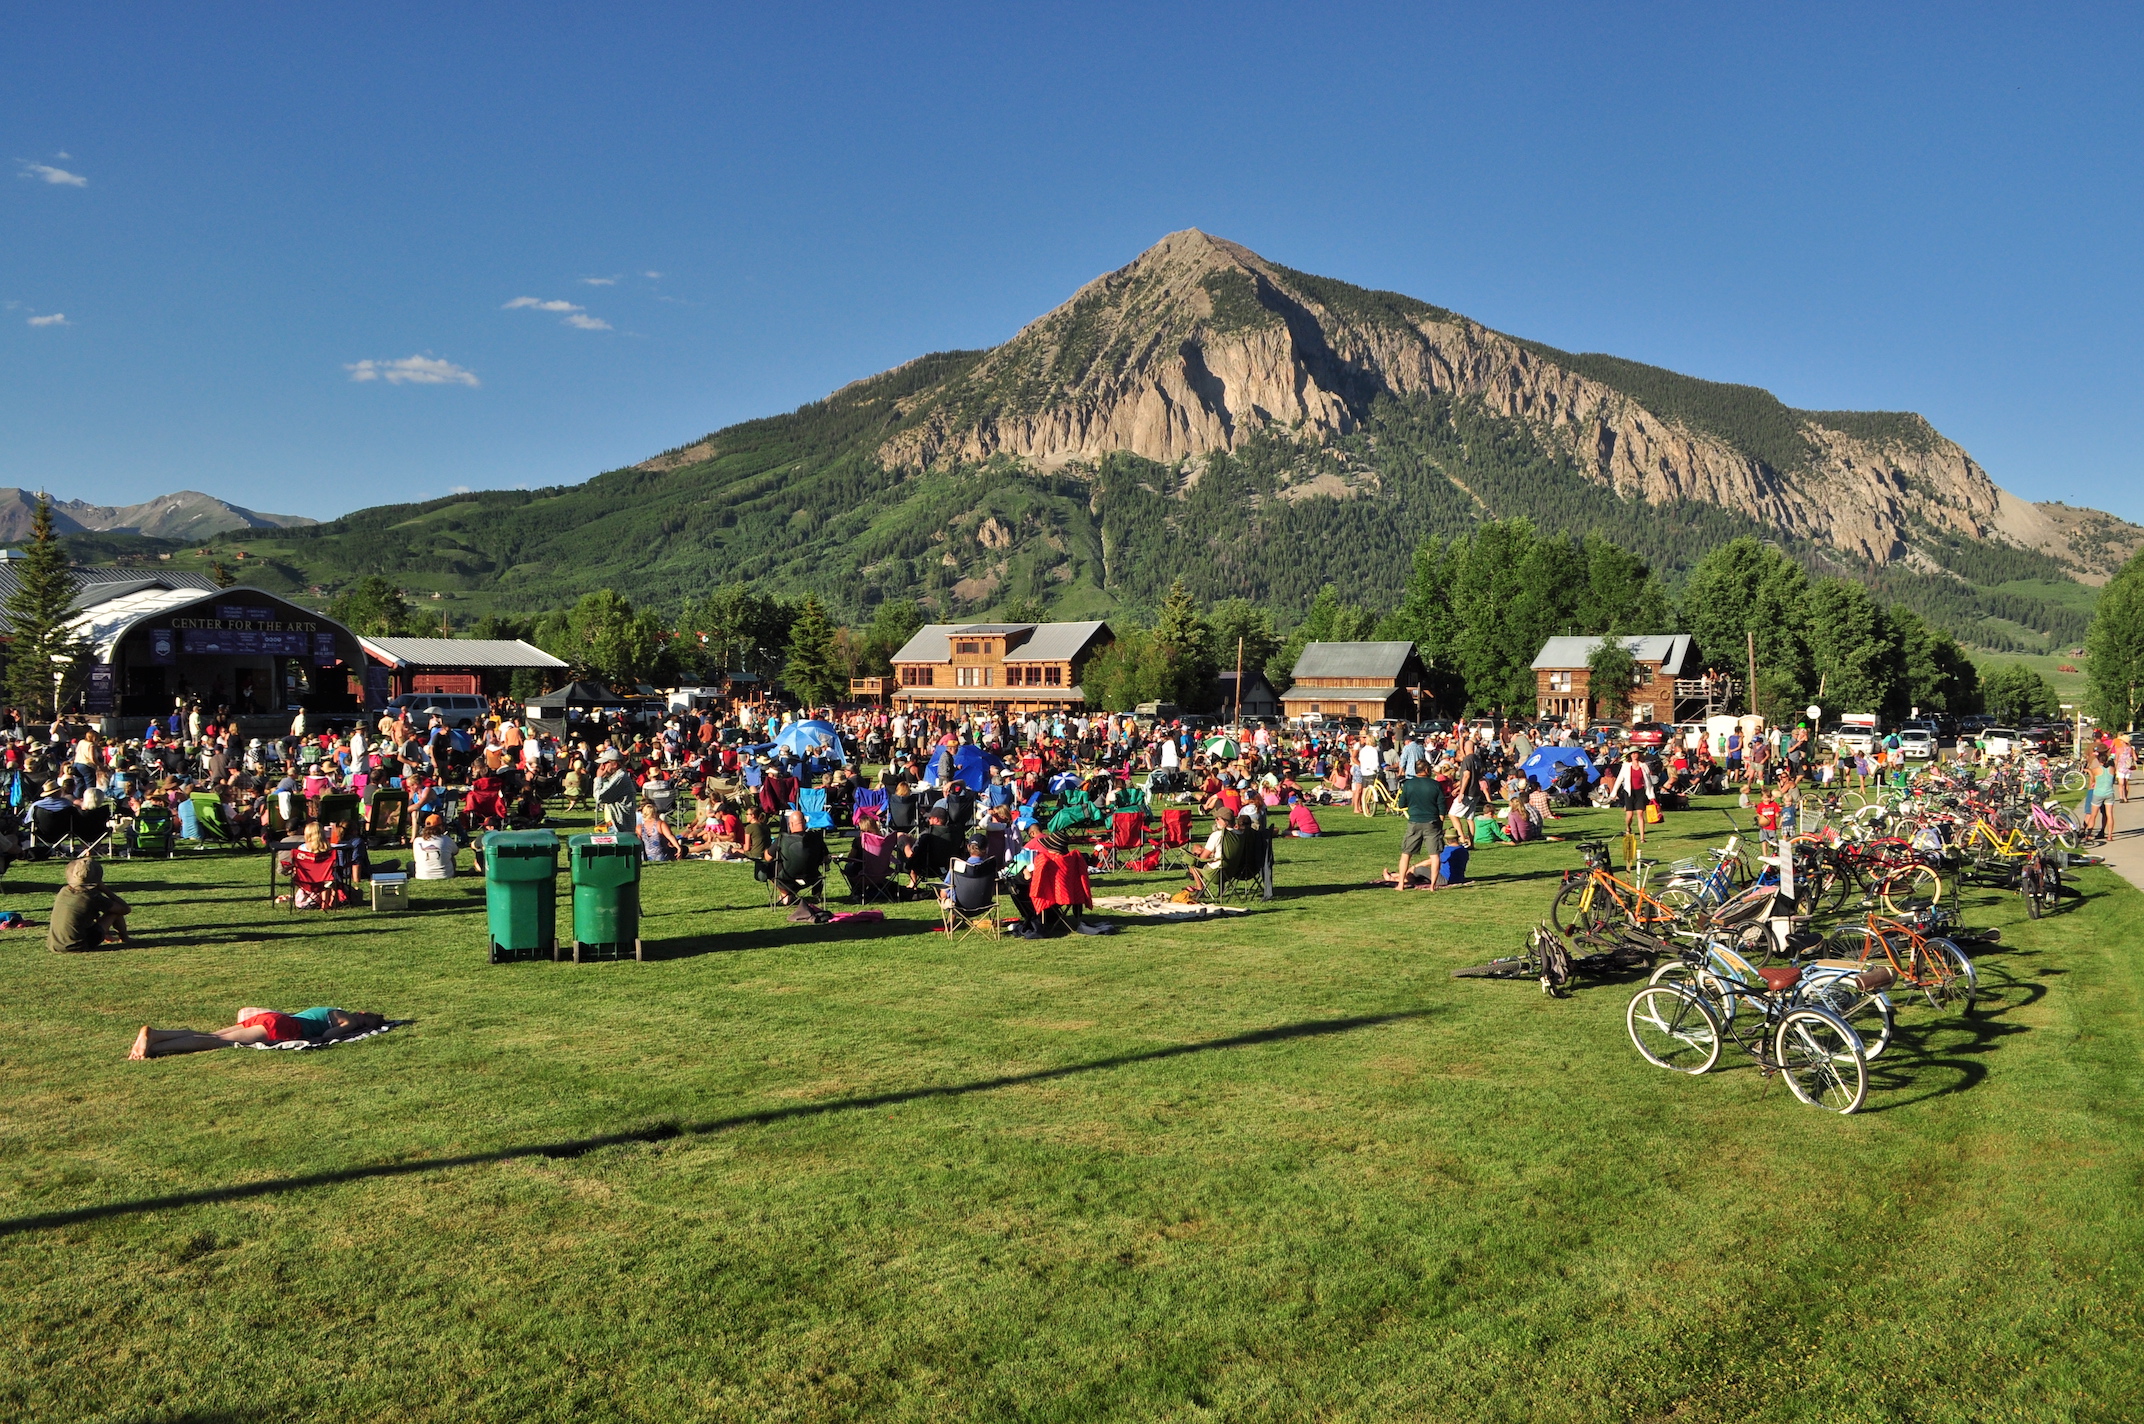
x,y
212,219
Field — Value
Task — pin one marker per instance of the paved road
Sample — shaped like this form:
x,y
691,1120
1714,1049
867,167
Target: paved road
x,y
2126,851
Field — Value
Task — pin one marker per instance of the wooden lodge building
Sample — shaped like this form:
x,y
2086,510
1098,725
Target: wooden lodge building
x,y
479,666
996,667
1670,684
1366,680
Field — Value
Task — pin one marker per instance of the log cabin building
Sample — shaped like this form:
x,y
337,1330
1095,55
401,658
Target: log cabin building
x,y
996,667
1669,684
1366,680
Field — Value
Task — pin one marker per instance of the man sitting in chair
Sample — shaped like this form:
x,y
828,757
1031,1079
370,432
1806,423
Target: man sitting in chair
x,y
797,859
1206,859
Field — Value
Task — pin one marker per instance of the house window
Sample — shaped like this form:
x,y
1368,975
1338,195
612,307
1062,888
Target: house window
x,y
968,648
1644,676
915,677
1559,682
1053,676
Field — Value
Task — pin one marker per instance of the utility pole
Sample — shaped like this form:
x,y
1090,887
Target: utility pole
x,y
1239,682
1751,634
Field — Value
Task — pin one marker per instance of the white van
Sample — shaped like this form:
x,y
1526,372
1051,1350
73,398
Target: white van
x,y
455,707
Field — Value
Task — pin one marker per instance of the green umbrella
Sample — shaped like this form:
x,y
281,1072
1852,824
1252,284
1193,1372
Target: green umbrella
x,y
1223,747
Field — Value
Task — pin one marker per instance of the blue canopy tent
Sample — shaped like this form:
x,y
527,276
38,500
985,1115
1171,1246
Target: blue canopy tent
x,y
973,765
812,742
1543,765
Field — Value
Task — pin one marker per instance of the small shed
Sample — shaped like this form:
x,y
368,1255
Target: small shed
x,y
479,666
1258,699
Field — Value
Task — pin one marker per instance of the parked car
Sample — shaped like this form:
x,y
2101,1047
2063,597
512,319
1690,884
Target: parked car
x,y
1998,741
455,707
1652,735
1918,743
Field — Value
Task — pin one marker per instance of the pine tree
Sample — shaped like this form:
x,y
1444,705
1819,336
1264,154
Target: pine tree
x,y
1180,639
40,644
811,671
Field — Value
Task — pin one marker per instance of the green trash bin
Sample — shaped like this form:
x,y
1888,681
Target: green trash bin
x,y
606,896
521,894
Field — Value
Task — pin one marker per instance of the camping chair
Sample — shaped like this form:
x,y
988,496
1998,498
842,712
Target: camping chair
x,y
661,794
93,830
341,808
1176,838
871,800
312,877
152,830
1127,834
390,810
211,826
1240,875
51,827
812,802
869,870
784,878
970,906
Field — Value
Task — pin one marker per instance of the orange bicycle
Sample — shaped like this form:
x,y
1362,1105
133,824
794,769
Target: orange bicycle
x,y
1928,962
1596,903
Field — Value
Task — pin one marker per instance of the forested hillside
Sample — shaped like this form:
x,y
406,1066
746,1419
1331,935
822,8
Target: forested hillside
x,y
1257,432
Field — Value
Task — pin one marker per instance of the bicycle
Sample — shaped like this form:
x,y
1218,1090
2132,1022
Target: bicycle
x,y
1821,1057
1932,964
1588,905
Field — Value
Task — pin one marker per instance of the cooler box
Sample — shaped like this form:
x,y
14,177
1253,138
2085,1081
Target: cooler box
x,y
390,892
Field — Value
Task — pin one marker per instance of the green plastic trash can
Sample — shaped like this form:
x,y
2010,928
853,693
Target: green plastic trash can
x,y
606,896
521,894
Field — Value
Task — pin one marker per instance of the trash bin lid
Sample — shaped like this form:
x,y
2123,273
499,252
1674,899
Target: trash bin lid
x,y
521,842
593,845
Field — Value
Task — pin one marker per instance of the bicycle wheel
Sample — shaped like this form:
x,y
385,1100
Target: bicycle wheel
x,y
1582,910
1870,1016
2073,780
1821,1059
1911,886
1674,1029
1946,977
2032,884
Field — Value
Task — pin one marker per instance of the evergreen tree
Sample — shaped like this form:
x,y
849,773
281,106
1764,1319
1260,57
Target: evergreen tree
x,y
1234,619
2114,648
811,671
221,576
46,659
1181,641
893,623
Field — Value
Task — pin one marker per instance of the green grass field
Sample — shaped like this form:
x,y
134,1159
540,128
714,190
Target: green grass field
x,y
1280,1167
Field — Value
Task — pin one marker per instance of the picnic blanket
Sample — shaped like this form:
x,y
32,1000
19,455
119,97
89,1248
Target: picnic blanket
x,y
1161,907
332,1042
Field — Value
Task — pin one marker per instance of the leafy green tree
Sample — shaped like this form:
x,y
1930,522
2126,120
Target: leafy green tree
x,y
1329,621
1743,589
2114,649
2015,692
1620,593
733,629
603,636
1234,619
1131,670
1936,673
893,623
1852,647
1182,640
1611,673
811,670
1026,610
47,659
501,628
375,608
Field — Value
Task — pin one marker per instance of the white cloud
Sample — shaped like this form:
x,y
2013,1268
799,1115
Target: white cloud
x,y
652,276
55,319
537,304
413,371
588,323
599,281
53,175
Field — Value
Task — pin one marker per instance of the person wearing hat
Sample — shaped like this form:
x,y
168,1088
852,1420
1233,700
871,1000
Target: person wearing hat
x,y
614,792
84,913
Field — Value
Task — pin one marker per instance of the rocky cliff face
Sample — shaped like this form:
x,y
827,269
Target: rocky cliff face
x,y
1201,342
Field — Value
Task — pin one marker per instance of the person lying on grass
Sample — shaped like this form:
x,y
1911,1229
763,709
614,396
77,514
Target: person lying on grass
x,y
84,913
257,1026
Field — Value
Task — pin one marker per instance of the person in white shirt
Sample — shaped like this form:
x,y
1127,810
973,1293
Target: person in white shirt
x,y
1367,764
434,851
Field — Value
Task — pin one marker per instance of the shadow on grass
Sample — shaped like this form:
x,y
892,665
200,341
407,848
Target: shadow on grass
x,y
784,936
664,1131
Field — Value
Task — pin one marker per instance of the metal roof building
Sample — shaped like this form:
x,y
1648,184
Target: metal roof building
x,y
464,665
1674,653
1368,680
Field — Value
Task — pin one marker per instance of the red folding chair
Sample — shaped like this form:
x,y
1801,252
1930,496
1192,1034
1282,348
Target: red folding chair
x,y
1176,838
313,882
1127,834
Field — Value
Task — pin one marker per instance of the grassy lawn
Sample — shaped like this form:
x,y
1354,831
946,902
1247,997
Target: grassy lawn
x,y
1280,1167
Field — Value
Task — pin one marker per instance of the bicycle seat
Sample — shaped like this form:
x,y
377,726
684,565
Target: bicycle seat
x,y
1780,977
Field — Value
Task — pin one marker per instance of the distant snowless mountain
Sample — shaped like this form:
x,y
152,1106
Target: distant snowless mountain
x,y
188,514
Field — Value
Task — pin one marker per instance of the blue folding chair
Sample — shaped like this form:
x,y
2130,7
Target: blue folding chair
x,y
812,802
871,800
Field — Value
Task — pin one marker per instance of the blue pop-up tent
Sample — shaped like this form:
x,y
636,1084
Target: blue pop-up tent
x,y
1543,765
807,741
